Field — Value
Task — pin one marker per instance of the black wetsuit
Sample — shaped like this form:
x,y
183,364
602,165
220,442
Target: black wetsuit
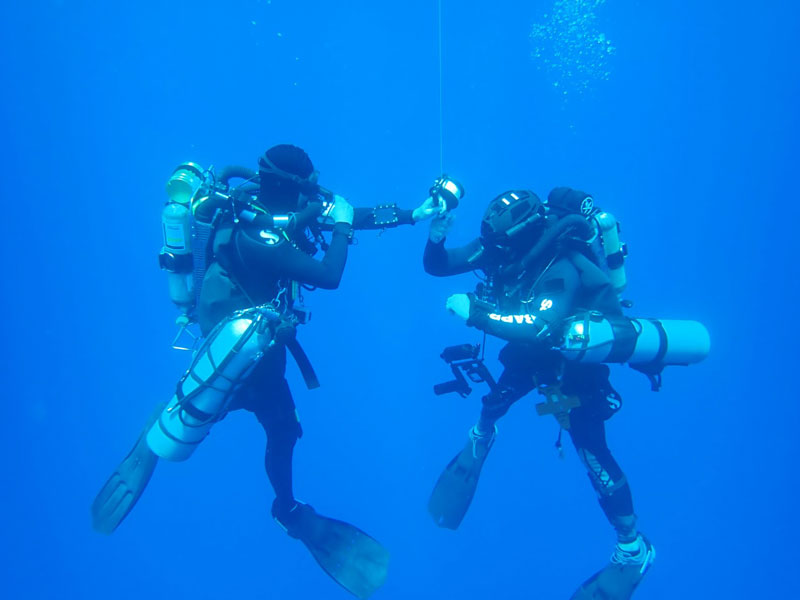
x,y
251,267
529,315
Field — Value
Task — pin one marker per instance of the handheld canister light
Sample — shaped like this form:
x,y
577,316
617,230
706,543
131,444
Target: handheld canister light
x,y
186,179
448,190
328,199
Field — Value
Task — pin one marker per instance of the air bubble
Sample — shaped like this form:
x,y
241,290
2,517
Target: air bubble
x,y
569,47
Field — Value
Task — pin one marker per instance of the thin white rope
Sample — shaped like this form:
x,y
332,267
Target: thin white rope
x,y
441,108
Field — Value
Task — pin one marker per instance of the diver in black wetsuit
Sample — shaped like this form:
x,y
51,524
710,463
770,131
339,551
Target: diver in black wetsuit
x,y
539,273
258,258
252,267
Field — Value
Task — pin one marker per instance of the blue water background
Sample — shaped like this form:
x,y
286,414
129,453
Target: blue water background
x,y
691,142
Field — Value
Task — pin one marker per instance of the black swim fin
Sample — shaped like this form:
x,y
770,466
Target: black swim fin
x,y
617,581
126,484
352,558
456,486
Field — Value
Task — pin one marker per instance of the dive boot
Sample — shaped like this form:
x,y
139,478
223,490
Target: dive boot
x,y
618,580
456,486
352,558
126,484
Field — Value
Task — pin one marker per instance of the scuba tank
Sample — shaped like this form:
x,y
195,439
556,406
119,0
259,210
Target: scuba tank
x,y
567,203
203,393
176,227
614,250
642,343
194,199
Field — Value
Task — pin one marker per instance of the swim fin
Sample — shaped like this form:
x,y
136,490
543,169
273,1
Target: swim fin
x,y
456,486
352,558
618,580
126,484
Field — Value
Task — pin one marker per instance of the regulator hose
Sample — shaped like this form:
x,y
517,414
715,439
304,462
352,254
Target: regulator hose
x,y
549,237
235,171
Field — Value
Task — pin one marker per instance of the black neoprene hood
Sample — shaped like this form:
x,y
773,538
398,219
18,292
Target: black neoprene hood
x,y
280,191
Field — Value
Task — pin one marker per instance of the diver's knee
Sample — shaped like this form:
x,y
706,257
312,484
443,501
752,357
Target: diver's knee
x,y
497,402
605,482
284,435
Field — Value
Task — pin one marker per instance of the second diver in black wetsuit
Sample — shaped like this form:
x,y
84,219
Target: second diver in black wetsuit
x,y
538,273
259,257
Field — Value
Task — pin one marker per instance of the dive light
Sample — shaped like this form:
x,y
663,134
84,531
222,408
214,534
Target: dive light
x,y
447,190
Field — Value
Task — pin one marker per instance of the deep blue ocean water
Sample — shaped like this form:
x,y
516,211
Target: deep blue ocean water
x,y
685,126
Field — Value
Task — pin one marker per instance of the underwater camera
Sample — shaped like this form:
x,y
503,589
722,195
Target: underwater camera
x,y
463,360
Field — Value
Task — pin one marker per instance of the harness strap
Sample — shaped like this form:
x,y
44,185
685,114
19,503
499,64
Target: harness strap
x,y
301,358
194,412
654,369
291,343
625,336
